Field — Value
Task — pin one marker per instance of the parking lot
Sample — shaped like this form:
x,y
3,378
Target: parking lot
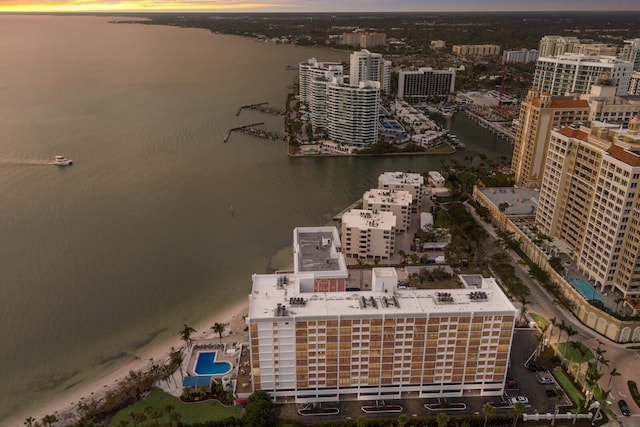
x,y
529,386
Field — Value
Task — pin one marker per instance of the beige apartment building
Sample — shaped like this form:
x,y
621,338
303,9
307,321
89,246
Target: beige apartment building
x,y
368,234
475,49
397,202
589,198
364,39
539,114
411,182
388,342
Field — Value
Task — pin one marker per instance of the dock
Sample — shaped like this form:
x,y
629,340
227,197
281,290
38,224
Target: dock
x,y
338,217
240,128
262,107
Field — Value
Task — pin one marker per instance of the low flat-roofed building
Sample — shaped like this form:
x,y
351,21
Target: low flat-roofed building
x,y
436,179
397,202
510,201
390,342
316,252
368,234
411,182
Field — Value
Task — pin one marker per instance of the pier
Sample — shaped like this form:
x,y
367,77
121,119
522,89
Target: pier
x,y
257,130
492,126
262,107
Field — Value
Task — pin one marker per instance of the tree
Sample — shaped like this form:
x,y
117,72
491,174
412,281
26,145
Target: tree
x,y
488,410
612,373
259,411
219,328
552,323
403,419
570,332
562,326
48,420
185,334
29,421
442,419
518,410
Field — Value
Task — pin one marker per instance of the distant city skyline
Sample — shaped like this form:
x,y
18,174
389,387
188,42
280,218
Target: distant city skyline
x,y
274,6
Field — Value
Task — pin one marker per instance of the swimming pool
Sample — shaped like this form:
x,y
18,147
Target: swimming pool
x,y
585,289
206,364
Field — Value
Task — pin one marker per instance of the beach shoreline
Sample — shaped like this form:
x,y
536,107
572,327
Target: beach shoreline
x,y
66,404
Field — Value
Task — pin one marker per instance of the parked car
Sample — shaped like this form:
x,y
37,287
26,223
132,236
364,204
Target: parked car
x,y
624,408
533,367
551,392
518,399
545,380
510,382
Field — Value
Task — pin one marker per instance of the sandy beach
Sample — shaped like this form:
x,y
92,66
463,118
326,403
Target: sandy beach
x,y
66,404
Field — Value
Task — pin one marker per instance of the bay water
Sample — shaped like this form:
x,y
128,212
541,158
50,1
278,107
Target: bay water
x,y
104,258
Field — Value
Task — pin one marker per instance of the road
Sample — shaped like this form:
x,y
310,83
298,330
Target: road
x,y
625,361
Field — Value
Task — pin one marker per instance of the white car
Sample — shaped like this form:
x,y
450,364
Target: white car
x,y
518,399
545,380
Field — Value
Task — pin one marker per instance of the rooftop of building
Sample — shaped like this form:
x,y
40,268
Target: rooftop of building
x,y
572,132
316,250
269,299
401,178
368,219
395,197
521,201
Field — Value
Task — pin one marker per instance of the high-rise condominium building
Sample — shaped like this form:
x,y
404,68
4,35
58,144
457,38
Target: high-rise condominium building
x,y
352,112
411,182
310,69
631,52
590,198
367,66
539,113
522,56
368,234
595,49
556,45
387,342
397,202
575,73
418,86
475,49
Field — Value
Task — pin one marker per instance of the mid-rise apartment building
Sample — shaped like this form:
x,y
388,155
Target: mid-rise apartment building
x,y
576,73
364,39
595,49
556,45
368,234
522,56
589,198
475,49
539,114
311,69
387,342
411,182
397,202
368,66
418,86
634,84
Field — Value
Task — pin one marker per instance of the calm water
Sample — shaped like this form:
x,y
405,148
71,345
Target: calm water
x,y
136,238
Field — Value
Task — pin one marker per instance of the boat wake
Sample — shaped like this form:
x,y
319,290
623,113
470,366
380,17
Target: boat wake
x,y
26,162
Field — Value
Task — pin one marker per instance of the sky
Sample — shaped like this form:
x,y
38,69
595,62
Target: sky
x,y
274,6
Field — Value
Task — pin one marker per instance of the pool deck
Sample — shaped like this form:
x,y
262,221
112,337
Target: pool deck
x,y
224,353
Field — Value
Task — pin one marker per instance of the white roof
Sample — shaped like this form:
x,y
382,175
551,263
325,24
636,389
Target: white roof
x,y
367,219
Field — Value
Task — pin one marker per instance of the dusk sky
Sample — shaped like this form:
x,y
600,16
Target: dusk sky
x,y
313,5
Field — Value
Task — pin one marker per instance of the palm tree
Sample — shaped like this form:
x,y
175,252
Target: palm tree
x,y
570,332
185,334
524,303
219,328
518,410
562,326
612,373
29,421
552,323
48,420
487,410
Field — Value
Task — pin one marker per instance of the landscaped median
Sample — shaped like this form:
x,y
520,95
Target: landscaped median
x,y
569,388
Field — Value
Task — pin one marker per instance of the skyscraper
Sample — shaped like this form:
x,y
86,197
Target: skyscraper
x,y
365,65
418,86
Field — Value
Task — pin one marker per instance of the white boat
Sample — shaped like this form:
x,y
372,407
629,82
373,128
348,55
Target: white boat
x,y
62,161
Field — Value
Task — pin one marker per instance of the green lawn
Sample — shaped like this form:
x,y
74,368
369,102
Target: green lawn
x,y
190,412
578,353
571,390
541,321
